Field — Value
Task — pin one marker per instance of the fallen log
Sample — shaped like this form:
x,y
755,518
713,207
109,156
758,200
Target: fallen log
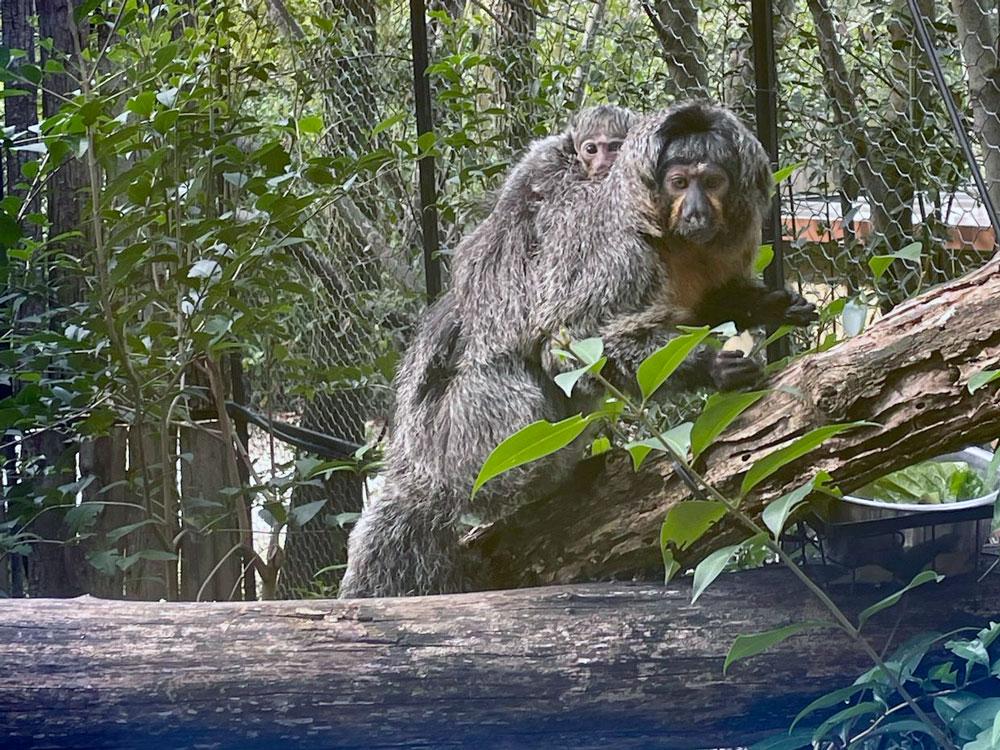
x,y
908,372
586,666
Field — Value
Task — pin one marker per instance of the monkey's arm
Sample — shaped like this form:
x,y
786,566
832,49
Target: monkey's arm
x,y
629,339
748,303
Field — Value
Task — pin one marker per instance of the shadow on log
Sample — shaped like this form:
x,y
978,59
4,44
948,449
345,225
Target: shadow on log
x,y
908,372
587,666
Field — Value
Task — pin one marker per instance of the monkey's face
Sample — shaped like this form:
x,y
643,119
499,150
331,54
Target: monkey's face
x,y
597,154
694,196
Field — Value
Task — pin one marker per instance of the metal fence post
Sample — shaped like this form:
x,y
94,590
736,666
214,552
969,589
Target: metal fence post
x,y
766,111
428,189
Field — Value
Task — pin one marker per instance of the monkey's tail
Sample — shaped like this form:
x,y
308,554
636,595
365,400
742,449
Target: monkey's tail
x,y
405,543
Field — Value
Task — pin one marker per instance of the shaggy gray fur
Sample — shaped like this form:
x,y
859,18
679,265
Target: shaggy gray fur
x,y
556,253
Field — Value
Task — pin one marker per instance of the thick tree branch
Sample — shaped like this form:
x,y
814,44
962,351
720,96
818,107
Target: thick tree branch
x,y
908,373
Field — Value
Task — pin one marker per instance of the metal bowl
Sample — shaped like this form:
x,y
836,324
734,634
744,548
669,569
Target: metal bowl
x,y
904,538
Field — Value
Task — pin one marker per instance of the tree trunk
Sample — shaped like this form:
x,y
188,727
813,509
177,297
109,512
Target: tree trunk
x,y
676,25
598,666
977,36
908,373
516,23
884,159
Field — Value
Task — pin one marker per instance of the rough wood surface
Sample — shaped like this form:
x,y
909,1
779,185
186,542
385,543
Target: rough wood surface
x,y
908,373
586,666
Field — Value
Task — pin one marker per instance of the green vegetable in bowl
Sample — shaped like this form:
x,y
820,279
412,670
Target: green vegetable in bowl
x,y
931,482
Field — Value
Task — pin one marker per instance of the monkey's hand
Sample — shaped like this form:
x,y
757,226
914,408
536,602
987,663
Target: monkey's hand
x,y
731,371
785,307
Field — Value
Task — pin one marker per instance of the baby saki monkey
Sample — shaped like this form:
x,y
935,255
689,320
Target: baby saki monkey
x,y
598,134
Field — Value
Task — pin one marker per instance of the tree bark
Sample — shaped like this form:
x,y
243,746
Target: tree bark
x,y
908,373
882,159
595,666
517,77
977,36
676,25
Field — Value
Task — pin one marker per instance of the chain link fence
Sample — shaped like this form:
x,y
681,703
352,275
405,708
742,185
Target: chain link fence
x,y
879,174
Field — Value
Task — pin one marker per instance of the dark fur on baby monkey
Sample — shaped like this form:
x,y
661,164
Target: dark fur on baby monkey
x,y
627,258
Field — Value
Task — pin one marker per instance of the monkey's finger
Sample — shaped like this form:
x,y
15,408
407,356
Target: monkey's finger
x,y
801,314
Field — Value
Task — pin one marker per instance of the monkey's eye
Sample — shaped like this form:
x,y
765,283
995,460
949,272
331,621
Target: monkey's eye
x,y
712,182
590,148
678,182
615,146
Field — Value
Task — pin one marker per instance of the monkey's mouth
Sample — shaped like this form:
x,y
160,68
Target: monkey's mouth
x,y
696,234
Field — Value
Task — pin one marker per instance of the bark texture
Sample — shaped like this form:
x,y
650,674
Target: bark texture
x,y
593,666
908,373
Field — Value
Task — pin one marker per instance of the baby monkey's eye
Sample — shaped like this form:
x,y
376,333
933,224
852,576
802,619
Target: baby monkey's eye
x,y
590,148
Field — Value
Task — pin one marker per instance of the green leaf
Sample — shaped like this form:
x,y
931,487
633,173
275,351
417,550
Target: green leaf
x,y
426,141
638,451
979,716
712,566
303,514
599,446
164,121
772,462
982,379
310,125
82,517
589,351
530,443
677,438
686,522
388,123
986,739
720,411
918,580
974,652
683,525
142,104
830,699
853,712
853,317
661,364
950,705
115,534
10,231
765,254
567,380
785,172
750,645
879,264
777,511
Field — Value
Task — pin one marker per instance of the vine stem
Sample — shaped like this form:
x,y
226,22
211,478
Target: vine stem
x,y
733,508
